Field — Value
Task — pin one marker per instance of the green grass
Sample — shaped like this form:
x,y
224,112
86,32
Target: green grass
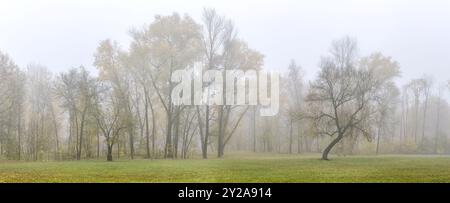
x,y
236,168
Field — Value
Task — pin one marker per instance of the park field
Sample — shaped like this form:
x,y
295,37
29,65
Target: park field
x,y
248,168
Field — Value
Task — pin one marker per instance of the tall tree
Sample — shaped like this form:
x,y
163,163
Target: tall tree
x,y
109,60
173,42
76,90
107,115
345,93
295,88
383,69
216,33
237,56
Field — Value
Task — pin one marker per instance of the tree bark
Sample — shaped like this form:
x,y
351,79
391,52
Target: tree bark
x,y
220,150
330,146
378,139
438,120
176,135
424,118
19,132
83,116
254,128
290,136
147,132
153,128
109,153
203,134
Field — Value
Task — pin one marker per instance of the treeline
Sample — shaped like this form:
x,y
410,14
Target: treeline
x,y
127,110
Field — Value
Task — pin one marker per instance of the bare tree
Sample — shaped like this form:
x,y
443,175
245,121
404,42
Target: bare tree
x,y
76,89
107,116
217,31
345,93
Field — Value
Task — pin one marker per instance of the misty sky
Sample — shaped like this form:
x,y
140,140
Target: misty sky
x,y
64,34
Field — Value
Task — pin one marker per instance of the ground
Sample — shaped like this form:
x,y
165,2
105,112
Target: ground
x,y
270,168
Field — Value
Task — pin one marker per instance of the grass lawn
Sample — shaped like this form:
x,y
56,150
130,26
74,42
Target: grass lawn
x,y
236,168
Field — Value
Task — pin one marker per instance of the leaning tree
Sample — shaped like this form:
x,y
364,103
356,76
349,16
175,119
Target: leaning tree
x,y
345,92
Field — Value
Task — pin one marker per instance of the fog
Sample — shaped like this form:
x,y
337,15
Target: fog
x,y
64,34
95,79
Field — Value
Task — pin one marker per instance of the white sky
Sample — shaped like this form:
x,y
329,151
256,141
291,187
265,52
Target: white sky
x,y
63,34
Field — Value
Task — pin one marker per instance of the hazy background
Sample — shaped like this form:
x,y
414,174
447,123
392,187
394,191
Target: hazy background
x,y
64,34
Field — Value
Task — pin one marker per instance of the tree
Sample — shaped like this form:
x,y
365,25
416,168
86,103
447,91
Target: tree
x,y
438,118
383,69
427,82
345,93
12,91
404,114
295,85
173,42
138,59
39,105
216,33
416,86
76,89
110,61
107,116
386,103
237,56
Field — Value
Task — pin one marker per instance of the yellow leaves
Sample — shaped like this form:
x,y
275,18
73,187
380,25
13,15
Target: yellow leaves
x,y
170,40
240,56
381,66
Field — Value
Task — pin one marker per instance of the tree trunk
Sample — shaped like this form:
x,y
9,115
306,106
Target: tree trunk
x,y
378,139
118,150
83,116
168,147
19,132
169,110
438,120
254,128
299,136
109,153
131,136
55,125
203,135
416,122
221,134
98,145
424,118
176,135
153,128
290,136
330,146
205,150
147,131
